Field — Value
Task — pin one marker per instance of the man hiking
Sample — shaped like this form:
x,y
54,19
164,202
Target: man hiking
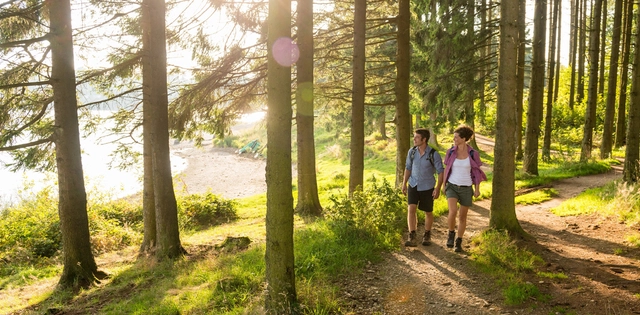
x,y
422,163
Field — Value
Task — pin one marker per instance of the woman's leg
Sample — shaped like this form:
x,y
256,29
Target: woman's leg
x,y
462,222
453,212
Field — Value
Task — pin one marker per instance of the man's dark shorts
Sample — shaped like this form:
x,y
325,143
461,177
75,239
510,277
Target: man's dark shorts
x,y
424,199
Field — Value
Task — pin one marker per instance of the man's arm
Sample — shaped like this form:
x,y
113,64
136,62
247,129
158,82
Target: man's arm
x,y
436,192
407,173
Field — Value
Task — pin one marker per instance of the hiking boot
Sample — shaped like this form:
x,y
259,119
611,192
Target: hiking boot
x,y
411,242
458,245
452,237
426,239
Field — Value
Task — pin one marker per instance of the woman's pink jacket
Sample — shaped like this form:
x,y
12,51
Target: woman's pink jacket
x,y
477,175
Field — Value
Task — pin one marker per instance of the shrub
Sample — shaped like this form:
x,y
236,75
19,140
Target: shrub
x,y
203,210
30,229
378,210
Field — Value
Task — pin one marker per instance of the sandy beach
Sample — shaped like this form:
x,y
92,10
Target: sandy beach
x,y
219,170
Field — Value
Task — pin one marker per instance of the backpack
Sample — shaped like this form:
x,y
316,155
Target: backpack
x,y
430,158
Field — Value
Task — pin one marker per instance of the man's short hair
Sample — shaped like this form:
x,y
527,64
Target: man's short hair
x,y
424,132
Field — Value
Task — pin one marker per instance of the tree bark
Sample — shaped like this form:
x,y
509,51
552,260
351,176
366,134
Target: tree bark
x,y
622,101
356,166
603,44
575,35
79,266
522,40
280,295
610,109
536,90
484,70
592,96
581,51
503,210
546,143
308,201
154,72
382,123
631,171
403,64
148,197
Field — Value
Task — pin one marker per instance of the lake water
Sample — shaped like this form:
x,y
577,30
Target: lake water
x,y
99,176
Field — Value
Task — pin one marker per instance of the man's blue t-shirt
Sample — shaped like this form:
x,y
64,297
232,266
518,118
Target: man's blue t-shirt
x,y
423,177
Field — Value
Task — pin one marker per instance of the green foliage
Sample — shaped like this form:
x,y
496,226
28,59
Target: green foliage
x,y
31,229
519,292
626,202
496,254
550,172
378,209
536,197
634,239
552,275
198,211
590,201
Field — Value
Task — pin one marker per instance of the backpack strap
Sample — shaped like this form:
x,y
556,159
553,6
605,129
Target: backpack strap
x,y
431,156
413,153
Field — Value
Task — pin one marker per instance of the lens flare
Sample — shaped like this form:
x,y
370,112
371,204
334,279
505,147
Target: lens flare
x,y
285,51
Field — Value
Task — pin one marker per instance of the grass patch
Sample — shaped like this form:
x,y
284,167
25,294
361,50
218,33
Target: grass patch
x,y
549,172
590,201
497,255
551,275
536,197
633,239
517,292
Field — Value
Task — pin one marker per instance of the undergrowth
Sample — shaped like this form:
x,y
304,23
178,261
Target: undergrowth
x,y
496,254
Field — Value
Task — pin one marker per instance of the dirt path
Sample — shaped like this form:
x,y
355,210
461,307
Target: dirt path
x,y
435,280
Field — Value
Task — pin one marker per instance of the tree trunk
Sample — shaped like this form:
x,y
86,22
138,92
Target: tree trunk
x,y
382,123
154,72
536,89
592,97
581,50
148,197
482,105
308,202
469,109
403,64
79,266
503,210
546,143
603,44
631,171
610,109
575,35
522,11
558,49
356,165
280,297
622,102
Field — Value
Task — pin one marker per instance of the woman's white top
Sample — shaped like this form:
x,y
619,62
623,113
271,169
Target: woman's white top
x,y
461,172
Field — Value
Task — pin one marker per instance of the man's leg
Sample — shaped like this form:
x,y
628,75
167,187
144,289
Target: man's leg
x,y
412,222
412,217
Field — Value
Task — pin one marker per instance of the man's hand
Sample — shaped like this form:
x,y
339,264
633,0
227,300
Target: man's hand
x,y
404,189
436,193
